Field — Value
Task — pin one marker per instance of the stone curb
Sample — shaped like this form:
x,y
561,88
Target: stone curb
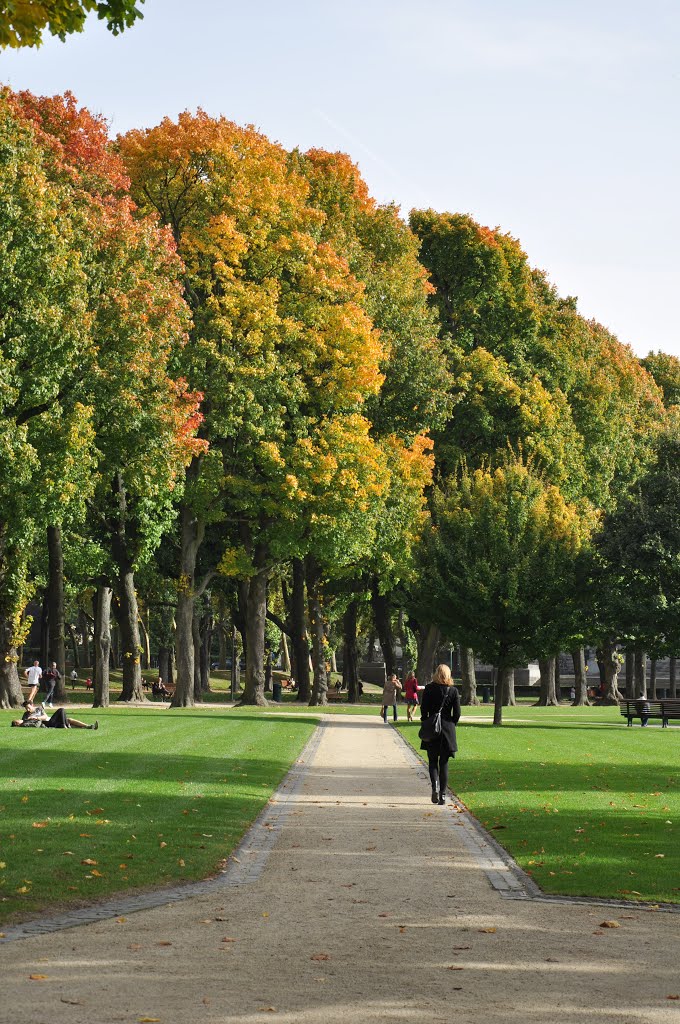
x,y
245,864
502,870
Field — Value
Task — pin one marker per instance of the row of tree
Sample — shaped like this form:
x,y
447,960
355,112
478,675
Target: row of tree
x,y
237,392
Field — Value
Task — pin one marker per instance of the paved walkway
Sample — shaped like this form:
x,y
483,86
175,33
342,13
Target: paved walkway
x,y
371,906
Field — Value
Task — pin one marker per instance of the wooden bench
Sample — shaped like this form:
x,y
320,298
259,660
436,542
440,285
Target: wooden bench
x,y
666,709
336,695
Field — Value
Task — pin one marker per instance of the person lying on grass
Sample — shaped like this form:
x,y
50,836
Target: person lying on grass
x,y
34,717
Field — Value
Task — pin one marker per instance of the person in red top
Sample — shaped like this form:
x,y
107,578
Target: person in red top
x,y
411,695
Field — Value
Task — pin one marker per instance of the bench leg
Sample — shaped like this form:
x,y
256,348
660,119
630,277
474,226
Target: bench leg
x,y
630,722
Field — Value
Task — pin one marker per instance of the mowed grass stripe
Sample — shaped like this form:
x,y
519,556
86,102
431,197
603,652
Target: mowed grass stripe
x,y
587,808
148,799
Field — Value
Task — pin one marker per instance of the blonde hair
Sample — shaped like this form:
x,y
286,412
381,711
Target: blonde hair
x,y
442,675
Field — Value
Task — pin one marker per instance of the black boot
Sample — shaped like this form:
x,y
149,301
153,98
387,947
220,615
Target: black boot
x,y
435,795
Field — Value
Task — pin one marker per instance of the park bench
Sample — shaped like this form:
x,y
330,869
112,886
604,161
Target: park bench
x,y
665,709
336,695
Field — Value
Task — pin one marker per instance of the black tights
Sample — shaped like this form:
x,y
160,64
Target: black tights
x,y
438,765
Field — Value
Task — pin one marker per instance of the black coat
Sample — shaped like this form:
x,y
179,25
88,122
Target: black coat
x,y
433,697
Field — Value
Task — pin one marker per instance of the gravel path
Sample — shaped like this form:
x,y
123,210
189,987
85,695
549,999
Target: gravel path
x,y
370,907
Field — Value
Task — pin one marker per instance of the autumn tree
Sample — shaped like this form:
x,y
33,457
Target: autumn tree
x,y
141,421
281,347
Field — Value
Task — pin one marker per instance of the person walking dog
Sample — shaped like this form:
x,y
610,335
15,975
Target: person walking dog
x,y
440,711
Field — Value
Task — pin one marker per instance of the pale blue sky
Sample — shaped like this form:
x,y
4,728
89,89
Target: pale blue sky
x,y
557,121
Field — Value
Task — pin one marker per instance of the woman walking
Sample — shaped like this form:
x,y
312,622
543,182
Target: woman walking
x,y
390,693
440,694
411,694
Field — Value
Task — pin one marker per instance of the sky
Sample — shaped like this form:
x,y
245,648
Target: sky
x,y
556,121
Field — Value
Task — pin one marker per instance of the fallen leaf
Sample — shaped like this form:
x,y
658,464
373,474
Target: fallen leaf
x,y
40,824
228,939
267,1009
148,1020
162,845
454,967
609,924
164,943
121,920
88,860
673,997
487,931
71,1002
38,977
319,956
97,874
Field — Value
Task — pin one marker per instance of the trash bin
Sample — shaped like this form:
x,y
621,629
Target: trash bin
x,y
276,692
486,694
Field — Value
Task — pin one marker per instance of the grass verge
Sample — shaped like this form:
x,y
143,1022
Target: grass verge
x,y
586,806
150,798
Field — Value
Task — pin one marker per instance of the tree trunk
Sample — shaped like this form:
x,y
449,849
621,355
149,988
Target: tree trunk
x,y
630,675
350,655
428,642
610,661
640,673
558,679
196,640
146,649
222,642
285,655
44,630
84,630
547,696
502,674
299,641
652,678
580,678
268,672
127,617
102,646
206,632
672,678
320,686
164,662
192,530
55,598
467,671
506,683
10,686
256,617
74,645
382,616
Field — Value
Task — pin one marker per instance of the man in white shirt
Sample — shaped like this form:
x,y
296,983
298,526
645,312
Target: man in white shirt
x,y
34,675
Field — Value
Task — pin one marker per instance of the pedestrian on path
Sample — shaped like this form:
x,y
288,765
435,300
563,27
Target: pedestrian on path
x,y
50,678
389,696
441,694
33,674
411,694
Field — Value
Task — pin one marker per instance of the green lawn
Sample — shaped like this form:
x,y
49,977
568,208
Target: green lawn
x,y
585,805
151,797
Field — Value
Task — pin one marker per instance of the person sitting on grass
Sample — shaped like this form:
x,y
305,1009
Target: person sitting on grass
x,y
34,717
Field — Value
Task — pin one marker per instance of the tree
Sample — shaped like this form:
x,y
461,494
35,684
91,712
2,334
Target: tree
x,y
144,421
498,561
43,333
281,348
23,24
638,552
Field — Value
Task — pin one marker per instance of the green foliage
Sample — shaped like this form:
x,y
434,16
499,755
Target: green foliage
x,y
23,24
637,554
499,565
